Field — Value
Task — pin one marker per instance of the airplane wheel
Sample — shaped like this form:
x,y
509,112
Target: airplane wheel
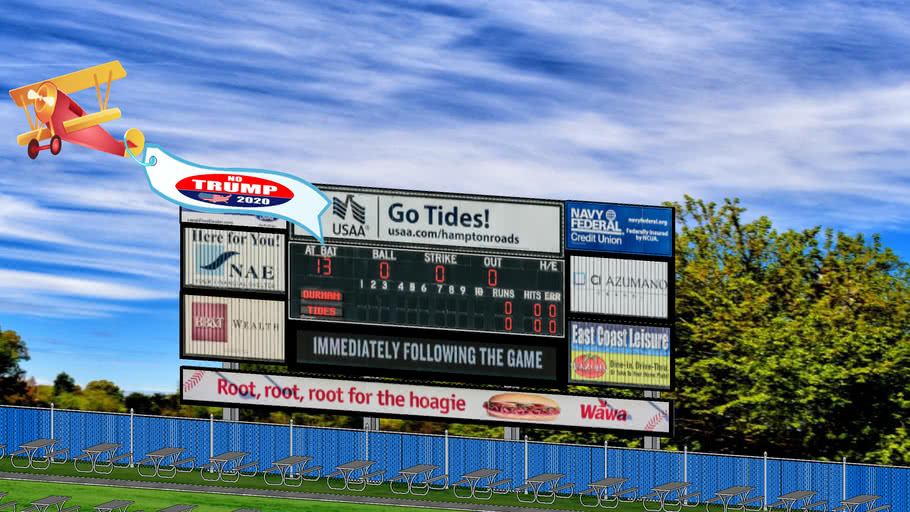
x,y
56,144
33,149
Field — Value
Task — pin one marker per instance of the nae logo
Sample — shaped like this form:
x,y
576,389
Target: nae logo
x,y
213,261
603,411
358,212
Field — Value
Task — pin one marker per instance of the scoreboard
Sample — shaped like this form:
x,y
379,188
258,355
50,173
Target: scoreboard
x,y
429,289
439,286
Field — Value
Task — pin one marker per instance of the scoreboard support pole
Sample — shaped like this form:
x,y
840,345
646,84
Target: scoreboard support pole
x,y
231,413
652,443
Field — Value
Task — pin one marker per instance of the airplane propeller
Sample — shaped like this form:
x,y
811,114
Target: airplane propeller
x,y
32,95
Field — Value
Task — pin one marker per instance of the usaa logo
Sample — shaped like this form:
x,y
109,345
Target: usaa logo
x,y
352,213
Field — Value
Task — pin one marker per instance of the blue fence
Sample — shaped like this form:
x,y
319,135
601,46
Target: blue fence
x,y
455,455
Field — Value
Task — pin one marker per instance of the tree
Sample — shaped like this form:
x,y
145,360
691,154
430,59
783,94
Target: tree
x,y
64,384
794,343
13,388
141,404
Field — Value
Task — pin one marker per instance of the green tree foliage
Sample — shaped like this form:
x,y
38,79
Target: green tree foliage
x,y
13,389
64,384
795,343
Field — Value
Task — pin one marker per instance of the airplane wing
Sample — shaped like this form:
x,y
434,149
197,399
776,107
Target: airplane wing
x,y
39,135
74,82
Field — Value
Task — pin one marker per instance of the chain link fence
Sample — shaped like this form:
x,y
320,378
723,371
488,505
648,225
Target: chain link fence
x,y
455,456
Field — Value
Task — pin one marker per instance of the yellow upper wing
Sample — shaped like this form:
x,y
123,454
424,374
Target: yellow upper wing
x,y
74,82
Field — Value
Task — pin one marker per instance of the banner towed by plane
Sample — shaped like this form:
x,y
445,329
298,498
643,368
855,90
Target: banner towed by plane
x,y
249,191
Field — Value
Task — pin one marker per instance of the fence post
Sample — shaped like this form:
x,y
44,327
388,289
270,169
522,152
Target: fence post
x,y
686,464
764,505
447,457
606,453
845,479
526,459
366,436
211,435
52,421
132,457
291,454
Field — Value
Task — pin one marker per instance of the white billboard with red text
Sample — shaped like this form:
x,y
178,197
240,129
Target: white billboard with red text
x,y
451,404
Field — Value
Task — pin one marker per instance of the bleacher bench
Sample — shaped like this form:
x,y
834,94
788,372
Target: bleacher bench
x,y
396,479
378,473
817,503
626,491
436,479
494,485
304,471
122,456
751,500
8,504
239,469
184,461
880,508
58,452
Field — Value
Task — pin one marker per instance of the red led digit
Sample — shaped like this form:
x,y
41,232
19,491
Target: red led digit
x,y
384,269
508,323
492,277
440,274
552,309
537,309
552,326
536,325
508,307
324,266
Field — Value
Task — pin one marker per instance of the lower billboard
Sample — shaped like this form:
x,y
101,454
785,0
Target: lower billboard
x,y
211,386
604,354
232,329
380,355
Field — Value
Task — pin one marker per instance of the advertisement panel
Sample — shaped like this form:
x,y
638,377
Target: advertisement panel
x,y
619,228
232,219
233,329
361,354
619,355
439,220
233,260
208,386
610,286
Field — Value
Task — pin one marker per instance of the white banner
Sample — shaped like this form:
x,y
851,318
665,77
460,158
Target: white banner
x,y
233,329
610,286
232,219
235,260
215,386
439,221
246,191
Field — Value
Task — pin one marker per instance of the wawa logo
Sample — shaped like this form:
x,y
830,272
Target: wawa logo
x,y
233,190
603,411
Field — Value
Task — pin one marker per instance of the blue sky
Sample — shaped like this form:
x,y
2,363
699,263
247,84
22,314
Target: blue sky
x,y
802,111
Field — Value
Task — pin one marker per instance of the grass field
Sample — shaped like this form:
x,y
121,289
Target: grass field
x,y
161,499
87,496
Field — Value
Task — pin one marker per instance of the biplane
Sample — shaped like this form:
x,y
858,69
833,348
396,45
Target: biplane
x,y
64,120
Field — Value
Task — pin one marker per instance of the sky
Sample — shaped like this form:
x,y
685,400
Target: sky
x,y
801,110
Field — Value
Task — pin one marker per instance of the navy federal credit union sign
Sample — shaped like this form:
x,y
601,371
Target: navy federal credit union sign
x,y
619,228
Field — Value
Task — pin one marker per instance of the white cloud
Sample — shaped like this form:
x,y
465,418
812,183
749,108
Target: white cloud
x,y
17,281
